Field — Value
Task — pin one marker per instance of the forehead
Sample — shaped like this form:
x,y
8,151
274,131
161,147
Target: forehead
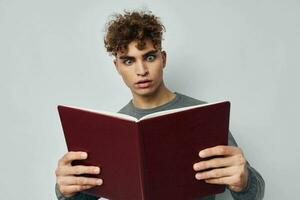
x,y
133,51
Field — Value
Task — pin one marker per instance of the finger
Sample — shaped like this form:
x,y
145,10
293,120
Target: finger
x,y
71,189
77,170
219,151
72,155
217,162
216,173
221,181
71,180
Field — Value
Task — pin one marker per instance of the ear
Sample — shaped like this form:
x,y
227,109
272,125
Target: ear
x,y
164,57
116,65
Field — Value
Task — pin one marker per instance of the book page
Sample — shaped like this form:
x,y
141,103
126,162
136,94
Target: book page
x,y
166,112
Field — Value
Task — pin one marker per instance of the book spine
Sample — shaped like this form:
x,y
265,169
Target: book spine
x,y
141,161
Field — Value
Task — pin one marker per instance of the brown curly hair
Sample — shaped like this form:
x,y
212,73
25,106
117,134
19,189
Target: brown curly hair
x,y
130,26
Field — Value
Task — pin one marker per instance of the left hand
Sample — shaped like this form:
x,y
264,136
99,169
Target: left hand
x,y
229,168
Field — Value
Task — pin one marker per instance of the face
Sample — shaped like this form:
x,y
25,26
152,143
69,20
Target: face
x,y
141,70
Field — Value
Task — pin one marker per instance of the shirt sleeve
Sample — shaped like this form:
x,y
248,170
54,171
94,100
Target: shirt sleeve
x,y
78,196
256,185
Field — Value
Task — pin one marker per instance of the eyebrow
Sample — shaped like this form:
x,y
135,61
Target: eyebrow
x,y
144,55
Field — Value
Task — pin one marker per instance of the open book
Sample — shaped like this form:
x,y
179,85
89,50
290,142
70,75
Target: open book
x,y
151,158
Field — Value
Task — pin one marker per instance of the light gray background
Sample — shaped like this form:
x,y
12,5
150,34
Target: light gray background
x,y
51,52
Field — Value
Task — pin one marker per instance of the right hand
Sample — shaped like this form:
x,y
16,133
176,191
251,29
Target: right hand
x,y
68,183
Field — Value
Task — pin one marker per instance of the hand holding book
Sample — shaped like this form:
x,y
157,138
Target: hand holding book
x,y
228,168
67,179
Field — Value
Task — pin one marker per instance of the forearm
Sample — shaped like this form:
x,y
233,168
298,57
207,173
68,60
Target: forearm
x,y
79,196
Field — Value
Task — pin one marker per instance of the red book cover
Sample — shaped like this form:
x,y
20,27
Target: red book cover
x,y
150,158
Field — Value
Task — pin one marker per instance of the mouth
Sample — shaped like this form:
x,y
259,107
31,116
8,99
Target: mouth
x,y
143,83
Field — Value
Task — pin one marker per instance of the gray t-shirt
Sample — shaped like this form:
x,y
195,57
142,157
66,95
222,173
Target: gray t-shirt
x,y
255,186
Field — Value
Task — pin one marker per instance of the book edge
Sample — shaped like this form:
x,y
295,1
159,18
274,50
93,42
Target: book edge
x,y
176,110
106,113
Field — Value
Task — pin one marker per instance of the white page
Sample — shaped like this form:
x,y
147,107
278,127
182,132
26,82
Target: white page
x,y
165,112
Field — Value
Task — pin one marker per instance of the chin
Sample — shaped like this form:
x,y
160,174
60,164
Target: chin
x,y
145,92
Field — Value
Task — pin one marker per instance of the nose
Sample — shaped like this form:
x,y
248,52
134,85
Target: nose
x,y
141,68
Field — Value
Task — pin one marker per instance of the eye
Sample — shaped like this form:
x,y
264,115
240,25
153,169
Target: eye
x,y
127,62
150,58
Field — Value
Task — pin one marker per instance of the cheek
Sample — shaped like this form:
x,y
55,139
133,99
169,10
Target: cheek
x,y
158,73
127,78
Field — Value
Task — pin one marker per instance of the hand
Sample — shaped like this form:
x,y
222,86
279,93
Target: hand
x,y
68,183
229,168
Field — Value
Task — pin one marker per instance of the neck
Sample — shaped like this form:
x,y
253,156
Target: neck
x,y
161,96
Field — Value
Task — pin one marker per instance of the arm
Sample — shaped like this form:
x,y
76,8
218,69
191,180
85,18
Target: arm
x,y
68,184
232,169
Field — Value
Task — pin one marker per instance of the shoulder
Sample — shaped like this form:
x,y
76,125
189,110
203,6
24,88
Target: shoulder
x,y
126,109
189,101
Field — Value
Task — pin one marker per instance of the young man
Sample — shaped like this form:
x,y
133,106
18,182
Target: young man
x,y
134,39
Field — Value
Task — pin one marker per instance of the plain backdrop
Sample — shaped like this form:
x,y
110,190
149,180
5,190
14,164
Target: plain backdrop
x,y
51,52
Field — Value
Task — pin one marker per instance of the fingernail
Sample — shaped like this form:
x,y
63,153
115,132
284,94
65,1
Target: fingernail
x,y
201,154
195,166
83,155
97,170
99,182
198,176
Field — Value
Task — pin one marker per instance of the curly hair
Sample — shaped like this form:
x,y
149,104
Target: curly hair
x,y
133,26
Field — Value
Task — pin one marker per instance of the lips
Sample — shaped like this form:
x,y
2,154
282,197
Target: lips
x,y
143,83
